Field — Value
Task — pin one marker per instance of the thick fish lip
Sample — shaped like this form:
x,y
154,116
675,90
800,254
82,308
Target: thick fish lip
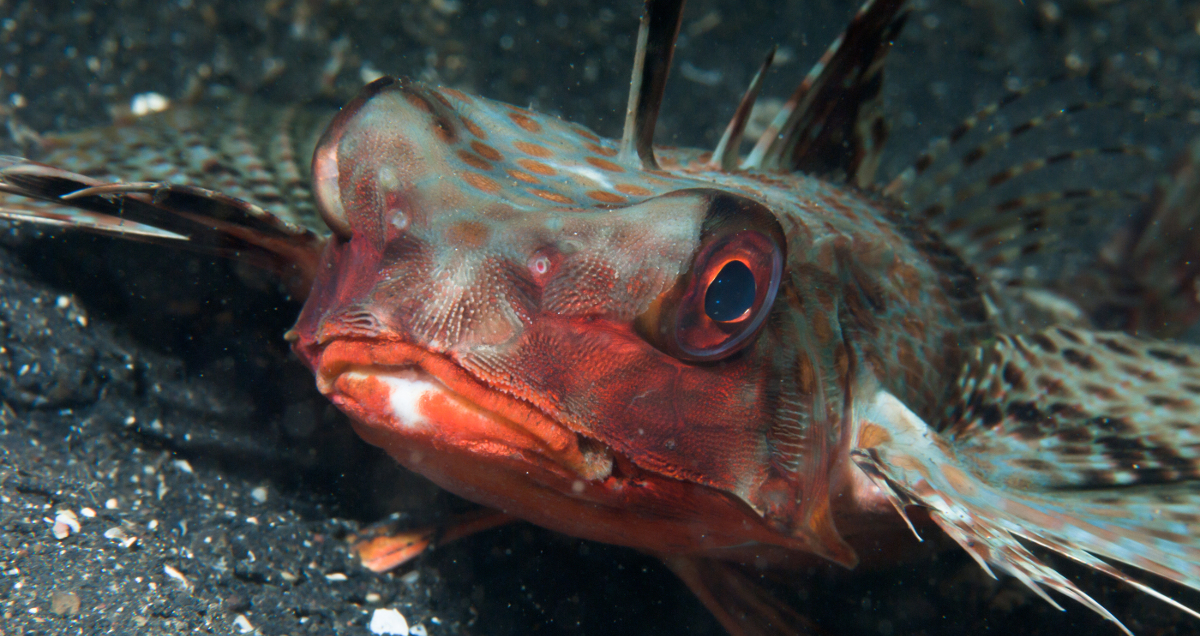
x,y
407,393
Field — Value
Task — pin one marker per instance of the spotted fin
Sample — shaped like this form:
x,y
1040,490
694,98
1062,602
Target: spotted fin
x,y
242,147
833,124
181,215
1082,442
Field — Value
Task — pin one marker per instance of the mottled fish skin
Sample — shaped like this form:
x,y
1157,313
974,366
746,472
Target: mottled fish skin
x,y
502,305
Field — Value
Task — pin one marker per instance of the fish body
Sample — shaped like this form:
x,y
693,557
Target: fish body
x,y
529,260
701,357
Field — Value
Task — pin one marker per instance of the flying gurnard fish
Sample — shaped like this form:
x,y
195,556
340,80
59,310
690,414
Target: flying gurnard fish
x,y
724,361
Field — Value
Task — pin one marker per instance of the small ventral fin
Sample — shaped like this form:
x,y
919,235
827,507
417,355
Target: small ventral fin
x,y
179,215
833,124
651,64
743,607
988,479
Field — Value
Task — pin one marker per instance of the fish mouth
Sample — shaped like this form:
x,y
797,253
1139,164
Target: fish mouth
x,y
413,402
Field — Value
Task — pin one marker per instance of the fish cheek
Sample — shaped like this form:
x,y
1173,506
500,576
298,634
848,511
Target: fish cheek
x,y
700,424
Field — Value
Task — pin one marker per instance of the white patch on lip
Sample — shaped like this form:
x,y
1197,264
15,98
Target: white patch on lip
x,y
406,394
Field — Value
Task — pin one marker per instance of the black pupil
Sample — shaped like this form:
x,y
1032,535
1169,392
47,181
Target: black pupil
x,y
731,293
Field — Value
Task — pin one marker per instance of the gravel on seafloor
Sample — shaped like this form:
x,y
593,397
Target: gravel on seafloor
x,y
167,467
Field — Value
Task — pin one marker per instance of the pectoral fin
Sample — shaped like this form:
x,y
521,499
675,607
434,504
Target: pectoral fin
x,y
915,465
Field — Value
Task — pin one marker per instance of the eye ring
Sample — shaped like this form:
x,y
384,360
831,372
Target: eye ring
x,y
697,333
721,303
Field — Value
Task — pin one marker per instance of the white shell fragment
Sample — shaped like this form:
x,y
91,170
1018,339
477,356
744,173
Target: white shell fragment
x,y
65,522
242,624
146,103
177,576
389,621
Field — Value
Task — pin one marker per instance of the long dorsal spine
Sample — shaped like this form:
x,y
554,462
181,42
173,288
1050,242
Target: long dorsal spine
x,y
651,65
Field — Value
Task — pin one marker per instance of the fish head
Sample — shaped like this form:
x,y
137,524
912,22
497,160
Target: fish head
x,y
508,311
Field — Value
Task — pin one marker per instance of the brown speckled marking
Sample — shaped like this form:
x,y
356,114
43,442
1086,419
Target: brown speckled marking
x,y
605,197
1173,403
486,151
1102,392
633,190
481,182
551,196
444,129
1045,343
533,150
1177,359
525,122
604,164
1142,373
1070,335
1052,386
470,235
1080,359
1116,347
537,167
1014,376
473,160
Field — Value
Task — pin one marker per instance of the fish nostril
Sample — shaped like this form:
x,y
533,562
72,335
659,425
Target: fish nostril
x,y
399,219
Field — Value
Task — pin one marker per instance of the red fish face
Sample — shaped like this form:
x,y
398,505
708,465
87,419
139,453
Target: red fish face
x,y
543,356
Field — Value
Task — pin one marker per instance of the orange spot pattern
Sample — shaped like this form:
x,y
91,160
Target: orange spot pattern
x,y
532,150
523,176
604,164
473,160
486,151
633,190
481,182
536,167
605,197
524,121
601,150
474,129
550,196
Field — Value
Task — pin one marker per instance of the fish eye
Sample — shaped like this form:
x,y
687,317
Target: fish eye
x,y
721,303
730,295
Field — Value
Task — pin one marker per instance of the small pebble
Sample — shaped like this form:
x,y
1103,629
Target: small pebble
x,y
112,504
389,621
242,624
64,603
259,494
65,522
